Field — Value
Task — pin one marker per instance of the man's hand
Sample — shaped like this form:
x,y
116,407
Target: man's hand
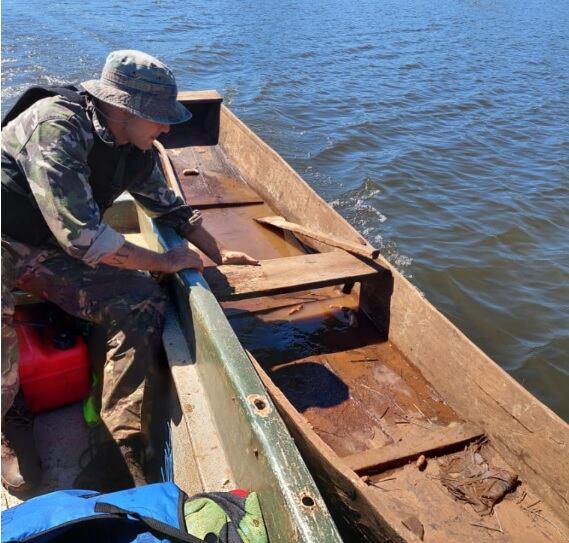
x,y
236,257
200,237
180,258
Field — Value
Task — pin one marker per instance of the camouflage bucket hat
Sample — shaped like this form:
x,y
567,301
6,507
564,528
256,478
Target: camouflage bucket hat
x,y
141,84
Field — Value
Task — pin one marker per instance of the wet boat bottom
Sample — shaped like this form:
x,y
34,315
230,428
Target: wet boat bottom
x,y
357,391
361,395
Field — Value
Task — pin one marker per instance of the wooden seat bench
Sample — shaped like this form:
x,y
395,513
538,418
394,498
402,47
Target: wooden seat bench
x,y
289,274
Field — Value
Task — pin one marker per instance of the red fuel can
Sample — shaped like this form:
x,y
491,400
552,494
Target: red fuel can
x,y
53,366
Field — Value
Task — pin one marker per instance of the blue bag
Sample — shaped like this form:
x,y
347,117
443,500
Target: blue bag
x,y
148,514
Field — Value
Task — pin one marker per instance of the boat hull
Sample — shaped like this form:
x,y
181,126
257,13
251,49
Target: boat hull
x,y
469,395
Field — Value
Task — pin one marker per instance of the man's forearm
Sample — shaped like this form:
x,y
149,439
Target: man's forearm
x,y
133,257
200,237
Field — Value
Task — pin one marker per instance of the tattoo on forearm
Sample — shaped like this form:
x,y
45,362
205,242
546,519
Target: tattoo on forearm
x,y
133,257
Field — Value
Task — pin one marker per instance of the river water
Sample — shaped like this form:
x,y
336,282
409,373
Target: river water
x,y
439,129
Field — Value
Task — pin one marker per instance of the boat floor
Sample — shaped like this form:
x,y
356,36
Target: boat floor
x,y
354,387
361,397
60,450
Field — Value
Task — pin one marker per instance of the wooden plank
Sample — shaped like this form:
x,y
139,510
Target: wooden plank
x,y
438,438
169,173
363,249
216,189
199,96
289,274
213,186
260,306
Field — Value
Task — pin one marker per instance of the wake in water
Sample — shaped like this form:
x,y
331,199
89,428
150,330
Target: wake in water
x,y
360,207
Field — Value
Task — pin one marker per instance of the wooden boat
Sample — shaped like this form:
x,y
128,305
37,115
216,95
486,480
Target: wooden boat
x,y
384,396
211,426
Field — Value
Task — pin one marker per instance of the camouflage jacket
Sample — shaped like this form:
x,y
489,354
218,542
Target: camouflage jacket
x,y
50,143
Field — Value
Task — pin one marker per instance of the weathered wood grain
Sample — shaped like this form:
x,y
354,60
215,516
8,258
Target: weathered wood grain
x,y
216,189
433,439
287,274
199,96
169,173
362,249
214,185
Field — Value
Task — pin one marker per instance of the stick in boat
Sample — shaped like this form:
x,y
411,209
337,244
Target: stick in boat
x,y
170,174
281,222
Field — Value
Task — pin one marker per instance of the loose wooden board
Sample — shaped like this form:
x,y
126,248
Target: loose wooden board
x,y
289,274
281,222
436,439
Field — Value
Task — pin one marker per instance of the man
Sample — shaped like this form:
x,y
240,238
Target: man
x,y
65,159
